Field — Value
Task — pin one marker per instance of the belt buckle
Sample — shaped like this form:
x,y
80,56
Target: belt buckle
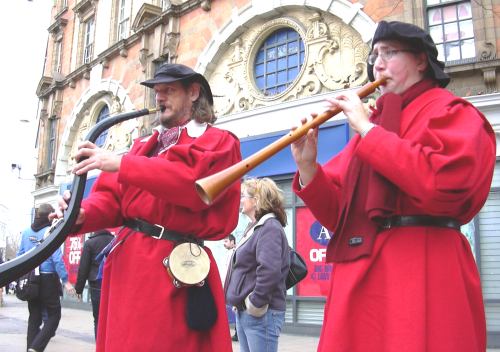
x,y
386,224
161,233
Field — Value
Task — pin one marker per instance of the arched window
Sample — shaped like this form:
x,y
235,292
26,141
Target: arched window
x,y
102,137
278,61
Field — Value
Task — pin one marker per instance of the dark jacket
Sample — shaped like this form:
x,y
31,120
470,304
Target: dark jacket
x,y
259,267
89,266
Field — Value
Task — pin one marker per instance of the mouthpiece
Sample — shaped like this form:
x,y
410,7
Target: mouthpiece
x,y
162,108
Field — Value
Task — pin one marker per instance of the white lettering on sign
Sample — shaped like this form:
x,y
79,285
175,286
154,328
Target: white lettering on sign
x,y
317,255
75,250
324,234
75,244
74,257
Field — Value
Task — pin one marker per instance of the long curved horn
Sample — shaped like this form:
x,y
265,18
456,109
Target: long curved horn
x,y
57,233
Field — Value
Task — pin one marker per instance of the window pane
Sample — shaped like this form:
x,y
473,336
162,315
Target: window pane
x,y
292,73
432,2
282,64
270,91
259,70
451,31
464,11
440,50
434,16
271,39
282,50
271,80
292,35
282,77
436,33
293,60
452,51
450,13
293,48
280,89
271,66
282,35
260,56
260,83
468,49
466,29
271,54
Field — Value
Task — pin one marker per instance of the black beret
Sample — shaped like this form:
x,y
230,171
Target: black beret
x,y
168,73
418,39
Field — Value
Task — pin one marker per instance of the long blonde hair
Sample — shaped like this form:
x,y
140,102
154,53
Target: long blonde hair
x,y
269,198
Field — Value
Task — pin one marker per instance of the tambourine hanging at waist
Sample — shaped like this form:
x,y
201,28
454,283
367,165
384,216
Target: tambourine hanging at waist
x,y
188,264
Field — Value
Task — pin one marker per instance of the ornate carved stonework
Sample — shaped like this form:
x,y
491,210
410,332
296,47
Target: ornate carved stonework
x,y
487,51
119,137
334,59
171,44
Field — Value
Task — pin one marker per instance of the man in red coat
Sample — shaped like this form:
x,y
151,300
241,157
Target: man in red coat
x,y
151,190
421,165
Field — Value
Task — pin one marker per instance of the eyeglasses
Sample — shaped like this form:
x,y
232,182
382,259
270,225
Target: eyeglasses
x,y
386,55
246,196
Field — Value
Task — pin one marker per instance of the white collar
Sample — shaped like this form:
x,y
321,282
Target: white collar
x,y
251,230
264,218
193,128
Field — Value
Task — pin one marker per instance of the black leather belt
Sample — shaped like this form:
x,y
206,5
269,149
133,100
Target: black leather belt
x,y
158,231
420,220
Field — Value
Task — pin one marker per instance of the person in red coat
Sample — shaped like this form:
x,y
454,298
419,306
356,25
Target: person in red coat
x,y
420,166
151,191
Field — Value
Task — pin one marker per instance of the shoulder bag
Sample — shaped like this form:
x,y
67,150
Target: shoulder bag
x,y
298,269
28,285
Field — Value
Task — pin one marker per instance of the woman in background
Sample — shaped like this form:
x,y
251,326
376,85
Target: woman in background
x,y
255,283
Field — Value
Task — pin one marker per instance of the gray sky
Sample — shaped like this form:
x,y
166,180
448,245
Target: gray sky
x,y
23,25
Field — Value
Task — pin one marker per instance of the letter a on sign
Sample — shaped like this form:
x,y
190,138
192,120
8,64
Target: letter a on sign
x,y
323,234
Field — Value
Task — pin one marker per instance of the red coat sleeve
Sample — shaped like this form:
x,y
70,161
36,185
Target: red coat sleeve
x,y
442,163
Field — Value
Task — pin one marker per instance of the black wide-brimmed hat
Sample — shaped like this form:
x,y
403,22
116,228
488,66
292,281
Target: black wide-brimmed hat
x,y
168,73
417,39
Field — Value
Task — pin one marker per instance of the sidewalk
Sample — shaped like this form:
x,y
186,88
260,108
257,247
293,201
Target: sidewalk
x,y
76,331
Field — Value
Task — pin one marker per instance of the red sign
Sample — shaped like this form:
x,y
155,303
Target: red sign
x,y
72,253
312,239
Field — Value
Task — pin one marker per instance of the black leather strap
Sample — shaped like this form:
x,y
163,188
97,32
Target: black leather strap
x,y
420,220
158,231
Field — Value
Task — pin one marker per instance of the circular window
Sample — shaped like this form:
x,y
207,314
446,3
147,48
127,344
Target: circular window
x,y
278,61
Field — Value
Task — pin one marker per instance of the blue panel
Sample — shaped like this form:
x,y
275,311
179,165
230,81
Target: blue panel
x,y
259,70
293,60
331,140
282,64
260,56
282,77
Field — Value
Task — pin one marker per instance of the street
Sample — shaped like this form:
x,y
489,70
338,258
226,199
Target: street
x,y
76,331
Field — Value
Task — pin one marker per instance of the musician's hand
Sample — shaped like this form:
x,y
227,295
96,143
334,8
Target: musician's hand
x,y
305,152
63,205
353,108
96,158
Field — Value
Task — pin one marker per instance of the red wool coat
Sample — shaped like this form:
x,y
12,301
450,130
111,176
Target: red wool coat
x,y
140,308
419,289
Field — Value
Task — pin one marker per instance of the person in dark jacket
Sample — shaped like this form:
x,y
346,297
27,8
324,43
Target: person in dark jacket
x,y
255,282
89,270
46,308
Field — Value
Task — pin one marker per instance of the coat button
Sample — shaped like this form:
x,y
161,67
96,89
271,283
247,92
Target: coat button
x,y
355,241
